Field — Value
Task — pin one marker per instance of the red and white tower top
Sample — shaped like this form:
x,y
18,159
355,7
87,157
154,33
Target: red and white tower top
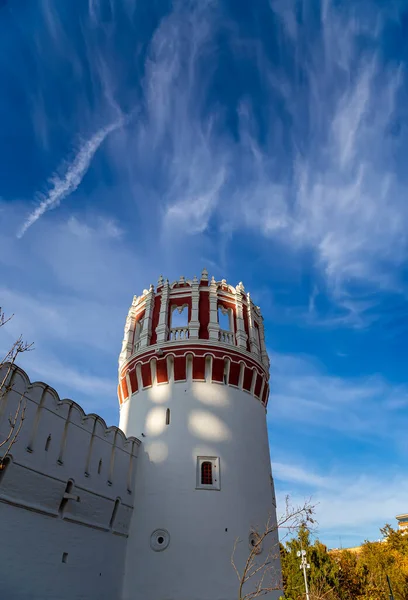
x,y
221,339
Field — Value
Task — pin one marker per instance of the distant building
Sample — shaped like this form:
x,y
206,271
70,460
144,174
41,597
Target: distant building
x,y
354,550
402,525
402,521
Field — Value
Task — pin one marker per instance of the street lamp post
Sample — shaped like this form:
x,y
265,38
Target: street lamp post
x,y
304,565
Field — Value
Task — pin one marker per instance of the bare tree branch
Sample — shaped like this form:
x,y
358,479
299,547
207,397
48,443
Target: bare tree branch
x,y
292,519
8,361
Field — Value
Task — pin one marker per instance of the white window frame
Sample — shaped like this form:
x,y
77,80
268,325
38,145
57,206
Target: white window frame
x,y
215,462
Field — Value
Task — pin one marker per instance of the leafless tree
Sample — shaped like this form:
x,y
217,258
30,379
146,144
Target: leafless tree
x,y
6,366
260,573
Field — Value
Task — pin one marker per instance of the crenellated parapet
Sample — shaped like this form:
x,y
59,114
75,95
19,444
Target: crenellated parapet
x,y
194,321
65,463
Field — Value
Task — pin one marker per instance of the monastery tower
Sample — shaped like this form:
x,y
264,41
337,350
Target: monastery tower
x,y
195,393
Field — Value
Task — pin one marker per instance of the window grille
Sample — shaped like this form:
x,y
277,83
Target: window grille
x,y
206,473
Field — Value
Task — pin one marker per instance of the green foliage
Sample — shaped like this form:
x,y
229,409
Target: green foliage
x,y
345,575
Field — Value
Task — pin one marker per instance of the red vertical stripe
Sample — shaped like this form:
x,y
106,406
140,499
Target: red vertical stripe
x,y
161,370
204,314
133,380
234,373
258,385
247,379
146,375
180,368
125,392
218,370
199,368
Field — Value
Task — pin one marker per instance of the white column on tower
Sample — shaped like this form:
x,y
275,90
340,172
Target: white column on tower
x,y
264,353
194,324
213,325
147,321
240,335
162,329
252,340
127,343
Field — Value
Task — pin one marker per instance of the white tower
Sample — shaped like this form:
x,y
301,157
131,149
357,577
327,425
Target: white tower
x,y
195,393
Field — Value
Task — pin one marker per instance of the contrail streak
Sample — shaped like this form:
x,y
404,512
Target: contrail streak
x,y
63,186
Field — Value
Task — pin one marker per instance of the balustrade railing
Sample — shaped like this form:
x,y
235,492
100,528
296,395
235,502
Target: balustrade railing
x,y
179,333
226,337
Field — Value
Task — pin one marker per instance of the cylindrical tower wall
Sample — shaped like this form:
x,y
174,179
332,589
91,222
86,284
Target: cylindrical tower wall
x,y
203,478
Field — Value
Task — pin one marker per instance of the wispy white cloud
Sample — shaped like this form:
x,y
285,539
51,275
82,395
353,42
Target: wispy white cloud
x,y
72,173
103,228
336,194
64,378
368,408
344,201
292,473
350,506
317,176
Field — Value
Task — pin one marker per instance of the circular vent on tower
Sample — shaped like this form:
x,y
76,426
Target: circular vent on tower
x,y
255,542
159,540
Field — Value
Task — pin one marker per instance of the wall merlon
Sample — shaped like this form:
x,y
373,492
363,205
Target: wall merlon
x,y
59,441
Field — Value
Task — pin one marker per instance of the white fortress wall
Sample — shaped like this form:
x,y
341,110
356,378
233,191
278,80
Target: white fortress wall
x,y
66,497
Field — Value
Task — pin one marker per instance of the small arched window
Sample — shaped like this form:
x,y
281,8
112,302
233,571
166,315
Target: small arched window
x,y
168,416
206,473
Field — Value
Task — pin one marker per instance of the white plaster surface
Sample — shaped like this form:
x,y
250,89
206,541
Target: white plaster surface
x,y
207,419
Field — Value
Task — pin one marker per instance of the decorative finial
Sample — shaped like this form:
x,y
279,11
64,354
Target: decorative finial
x,y
182,279
213,279
204,275
240,287
223,282
195,280
160,281
151,288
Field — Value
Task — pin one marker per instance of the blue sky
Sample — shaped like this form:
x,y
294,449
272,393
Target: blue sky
x,y
264,140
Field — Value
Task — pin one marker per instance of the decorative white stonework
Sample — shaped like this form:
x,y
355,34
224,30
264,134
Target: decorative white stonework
x,y
162,329
147,321
253,343
194,324
241,335
147,325
213,326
